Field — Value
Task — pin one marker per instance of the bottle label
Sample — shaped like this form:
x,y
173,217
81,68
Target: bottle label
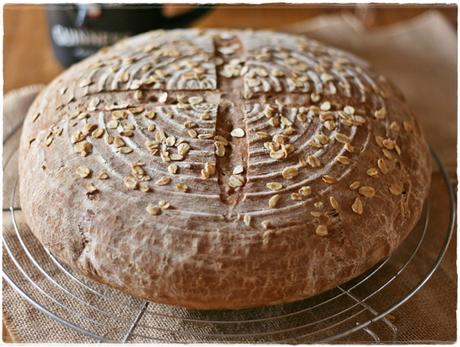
x,y
74,37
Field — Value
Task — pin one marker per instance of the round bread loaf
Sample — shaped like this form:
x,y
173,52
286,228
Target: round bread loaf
x,y
222,169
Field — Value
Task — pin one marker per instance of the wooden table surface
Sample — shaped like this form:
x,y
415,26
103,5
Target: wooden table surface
x,y
28,58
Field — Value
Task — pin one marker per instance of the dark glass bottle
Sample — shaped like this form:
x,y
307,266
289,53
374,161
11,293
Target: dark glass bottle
x,y
79,30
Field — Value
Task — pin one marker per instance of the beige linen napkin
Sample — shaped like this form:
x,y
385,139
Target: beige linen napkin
x,y
420,56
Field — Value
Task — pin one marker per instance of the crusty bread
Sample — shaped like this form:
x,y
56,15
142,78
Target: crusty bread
x,y
222,169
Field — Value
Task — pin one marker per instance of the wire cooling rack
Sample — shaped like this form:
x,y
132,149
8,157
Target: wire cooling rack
x,y
358,310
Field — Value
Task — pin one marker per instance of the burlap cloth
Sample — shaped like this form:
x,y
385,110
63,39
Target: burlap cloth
x,y
421,57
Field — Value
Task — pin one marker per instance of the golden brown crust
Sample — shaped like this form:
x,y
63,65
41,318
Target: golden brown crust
x,y
222,169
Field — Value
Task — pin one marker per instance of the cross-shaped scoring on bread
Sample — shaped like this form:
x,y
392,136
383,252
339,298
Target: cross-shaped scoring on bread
x,y
281,102
255,132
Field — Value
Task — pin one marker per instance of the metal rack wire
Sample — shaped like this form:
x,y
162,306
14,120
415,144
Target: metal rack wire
x,y
358,308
